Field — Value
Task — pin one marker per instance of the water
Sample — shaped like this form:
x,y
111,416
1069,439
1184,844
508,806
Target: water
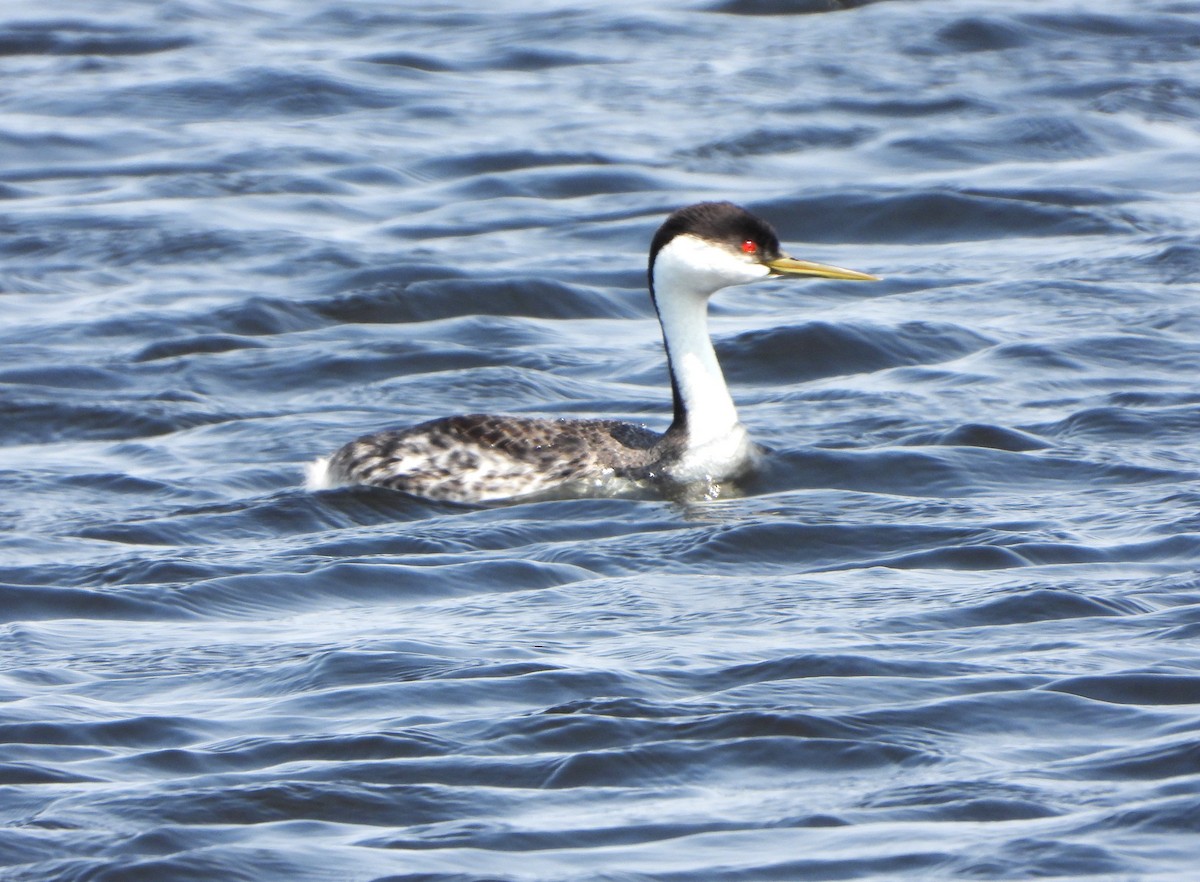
x,y
950,633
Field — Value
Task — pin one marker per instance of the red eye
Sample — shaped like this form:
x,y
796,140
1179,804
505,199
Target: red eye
x,y
749,247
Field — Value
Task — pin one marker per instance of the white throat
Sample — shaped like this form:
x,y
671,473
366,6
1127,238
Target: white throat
x,y
687,272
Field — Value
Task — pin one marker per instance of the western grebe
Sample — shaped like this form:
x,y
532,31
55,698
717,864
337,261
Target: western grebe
x,y
480,458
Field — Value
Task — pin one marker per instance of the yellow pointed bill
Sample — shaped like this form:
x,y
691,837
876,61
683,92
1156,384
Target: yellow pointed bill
x,y
789,266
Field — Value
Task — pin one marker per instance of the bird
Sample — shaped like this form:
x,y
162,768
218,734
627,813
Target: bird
x,y
483,458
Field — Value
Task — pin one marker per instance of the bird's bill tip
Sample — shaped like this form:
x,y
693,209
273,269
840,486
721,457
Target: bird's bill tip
x,y
790,266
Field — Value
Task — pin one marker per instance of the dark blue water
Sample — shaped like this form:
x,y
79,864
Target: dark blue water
x,y
952,631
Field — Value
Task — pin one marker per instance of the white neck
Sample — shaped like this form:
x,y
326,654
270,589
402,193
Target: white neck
x,y
687,271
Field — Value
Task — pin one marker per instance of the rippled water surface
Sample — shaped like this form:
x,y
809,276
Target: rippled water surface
x,y
951,631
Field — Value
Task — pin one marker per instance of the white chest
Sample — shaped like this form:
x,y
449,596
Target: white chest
x,y
717,459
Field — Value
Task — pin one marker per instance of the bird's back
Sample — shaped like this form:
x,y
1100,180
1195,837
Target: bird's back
x,y
480,457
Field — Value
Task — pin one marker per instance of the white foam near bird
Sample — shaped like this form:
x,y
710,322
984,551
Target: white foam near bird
x,y
696,252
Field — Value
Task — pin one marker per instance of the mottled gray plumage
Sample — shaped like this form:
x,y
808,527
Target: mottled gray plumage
x,y
479,456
